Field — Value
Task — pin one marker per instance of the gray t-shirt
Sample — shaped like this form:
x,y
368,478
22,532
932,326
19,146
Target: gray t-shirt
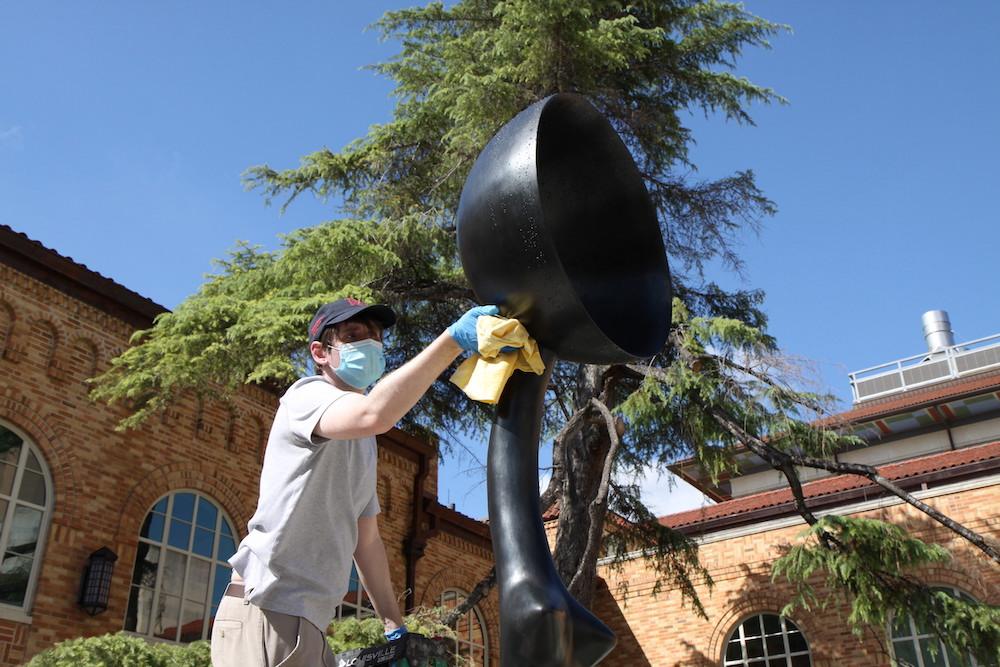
x,y
296,558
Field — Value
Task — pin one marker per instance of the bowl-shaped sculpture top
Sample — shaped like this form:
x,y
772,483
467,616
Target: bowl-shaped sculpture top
x,y
555,226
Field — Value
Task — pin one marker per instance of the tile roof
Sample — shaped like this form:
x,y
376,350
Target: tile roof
x,y
830,489
915,398
31,257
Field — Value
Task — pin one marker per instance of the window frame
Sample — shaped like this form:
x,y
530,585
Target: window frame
x,y
763,660
460,596
163,545
22,613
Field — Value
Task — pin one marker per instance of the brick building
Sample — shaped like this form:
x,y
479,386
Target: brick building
x,y
170,499
932,425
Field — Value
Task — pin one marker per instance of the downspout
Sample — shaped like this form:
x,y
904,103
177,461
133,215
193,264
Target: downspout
x,y
416,542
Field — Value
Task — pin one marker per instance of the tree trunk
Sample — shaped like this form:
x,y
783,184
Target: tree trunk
x,y
585,449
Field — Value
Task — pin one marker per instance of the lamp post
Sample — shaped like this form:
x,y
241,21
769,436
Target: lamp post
x,y
96,585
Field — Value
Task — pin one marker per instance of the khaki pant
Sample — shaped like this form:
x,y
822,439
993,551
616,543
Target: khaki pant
x,y
245,635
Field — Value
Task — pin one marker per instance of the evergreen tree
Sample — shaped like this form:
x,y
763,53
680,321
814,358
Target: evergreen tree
x,y
462,72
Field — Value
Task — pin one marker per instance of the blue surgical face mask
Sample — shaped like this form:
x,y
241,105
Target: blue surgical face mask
x,y
361,363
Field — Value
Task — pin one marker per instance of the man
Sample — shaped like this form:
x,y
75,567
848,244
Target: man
x,y
317,506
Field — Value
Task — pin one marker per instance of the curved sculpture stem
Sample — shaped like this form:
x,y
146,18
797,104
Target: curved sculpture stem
x,y
541,624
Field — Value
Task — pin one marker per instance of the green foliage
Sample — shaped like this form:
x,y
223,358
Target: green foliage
x,y
351,633
122,650
872,562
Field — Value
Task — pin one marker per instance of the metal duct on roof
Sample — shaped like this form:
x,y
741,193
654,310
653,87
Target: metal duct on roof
x,y
937,330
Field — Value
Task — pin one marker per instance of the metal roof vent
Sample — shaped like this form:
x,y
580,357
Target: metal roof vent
x,y
937,330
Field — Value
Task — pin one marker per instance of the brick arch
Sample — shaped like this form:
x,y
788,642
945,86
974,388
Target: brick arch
x,y
763,600
7,319
446,578
948,574
48,335
250,434
80,359
23,413
206,478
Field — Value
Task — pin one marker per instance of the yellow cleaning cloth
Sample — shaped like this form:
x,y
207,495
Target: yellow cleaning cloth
x,y
483,376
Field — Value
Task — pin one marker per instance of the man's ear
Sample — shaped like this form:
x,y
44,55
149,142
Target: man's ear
x,y
321,354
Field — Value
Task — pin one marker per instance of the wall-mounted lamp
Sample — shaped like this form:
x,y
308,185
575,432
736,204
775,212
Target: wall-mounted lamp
x,y
96,586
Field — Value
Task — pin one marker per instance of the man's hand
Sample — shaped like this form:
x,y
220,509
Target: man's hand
x,y
464,330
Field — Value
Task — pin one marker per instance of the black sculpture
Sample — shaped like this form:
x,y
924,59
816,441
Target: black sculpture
x,y
556,227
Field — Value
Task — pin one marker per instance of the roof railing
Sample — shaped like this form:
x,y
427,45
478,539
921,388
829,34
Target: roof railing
x,y
926,368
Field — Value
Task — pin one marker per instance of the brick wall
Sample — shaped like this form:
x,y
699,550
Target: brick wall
x,y
105,481
662,630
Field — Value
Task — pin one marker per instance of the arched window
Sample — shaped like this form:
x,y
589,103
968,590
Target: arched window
x,y
767,640
25,510
180,569
912,644
472,640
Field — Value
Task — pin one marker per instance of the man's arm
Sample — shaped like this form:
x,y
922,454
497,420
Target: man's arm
x,y
373,566
359,415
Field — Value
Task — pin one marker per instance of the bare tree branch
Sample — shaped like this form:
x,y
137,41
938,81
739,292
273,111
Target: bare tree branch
x,y
772,455
599,505
478,592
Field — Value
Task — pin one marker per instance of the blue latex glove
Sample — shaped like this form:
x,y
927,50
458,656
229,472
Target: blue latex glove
x,y
398,633
464,330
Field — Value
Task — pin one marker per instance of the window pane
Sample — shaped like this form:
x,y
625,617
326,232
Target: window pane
x,y
192,621
146,561
173,573
955,660
24,531
207,514
226,547
905,652
755,648
3,512
32,488
197,580
33,463
927,646
734,651
184,506
222,576
7,473
772,624
751,627
152,527
901,626
796,642
14,573
801,661
140,606
203,542
161,506
775,645
777,662
226,530
165,620
180,534
10,446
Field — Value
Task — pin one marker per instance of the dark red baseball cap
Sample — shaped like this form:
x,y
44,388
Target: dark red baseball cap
x,y
344,309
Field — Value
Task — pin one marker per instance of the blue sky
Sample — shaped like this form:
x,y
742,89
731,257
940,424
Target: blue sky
x,y
124,128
